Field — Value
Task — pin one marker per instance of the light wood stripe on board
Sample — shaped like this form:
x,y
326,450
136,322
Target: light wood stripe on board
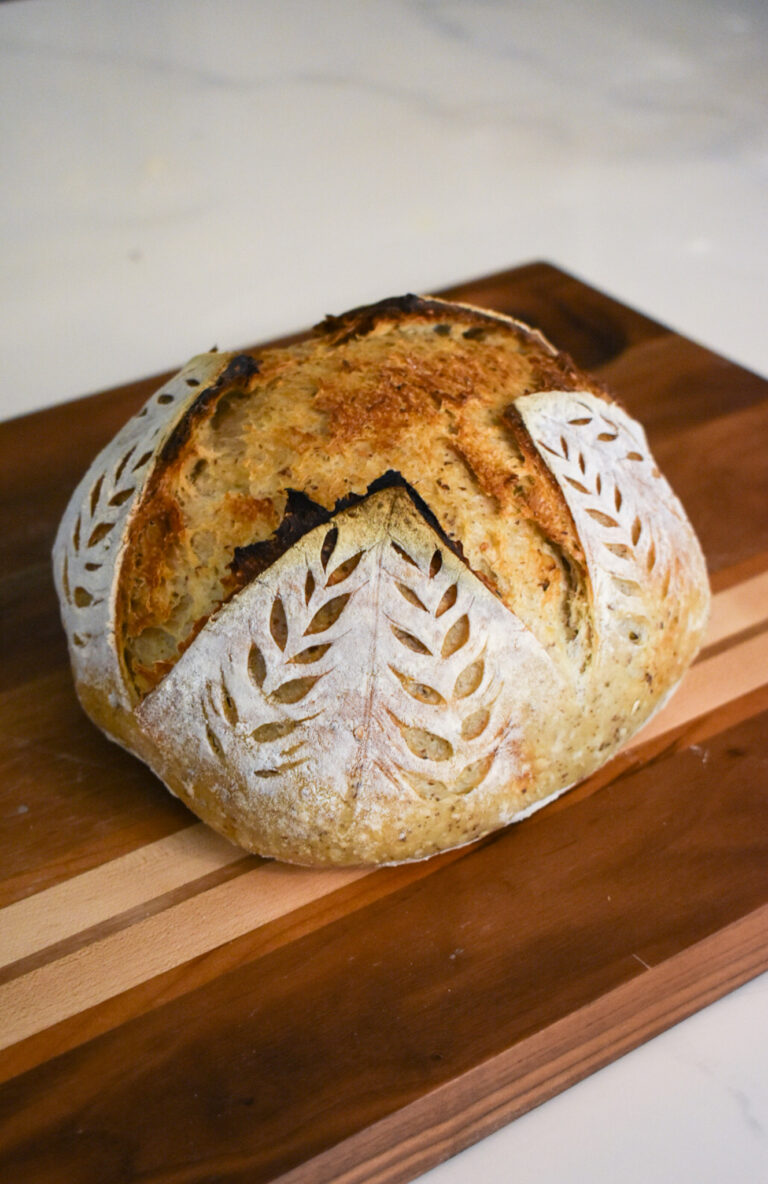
x,y
116,963
150,871
142,875
741,607
109,966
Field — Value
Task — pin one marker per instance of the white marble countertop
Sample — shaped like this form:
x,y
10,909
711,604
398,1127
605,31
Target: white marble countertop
x,y
184,172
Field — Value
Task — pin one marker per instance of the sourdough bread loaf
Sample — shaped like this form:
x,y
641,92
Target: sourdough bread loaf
x,y
373,595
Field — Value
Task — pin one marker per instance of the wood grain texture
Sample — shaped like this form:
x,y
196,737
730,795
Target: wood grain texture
x,y
173,1010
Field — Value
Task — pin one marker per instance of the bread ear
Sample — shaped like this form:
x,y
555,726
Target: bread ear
x,y
91,538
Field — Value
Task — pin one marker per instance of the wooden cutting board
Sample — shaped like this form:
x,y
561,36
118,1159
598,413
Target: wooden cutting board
x,y
173,1010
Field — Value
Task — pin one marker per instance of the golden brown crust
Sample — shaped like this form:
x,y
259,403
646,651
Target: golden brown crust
x,y
373,595
379,387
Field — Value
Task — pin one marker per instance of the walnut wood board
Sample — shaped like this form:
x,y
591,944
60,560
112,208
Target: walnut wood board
x,y
172,1010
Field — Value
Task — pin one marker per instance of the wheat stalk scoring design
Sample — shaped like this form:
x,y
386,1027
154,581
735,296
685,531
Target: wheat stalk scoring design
x,y
614,512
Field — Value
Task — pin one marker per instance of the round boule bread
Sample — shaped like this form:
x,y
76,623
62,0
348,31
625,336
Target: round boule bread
x,y
373,595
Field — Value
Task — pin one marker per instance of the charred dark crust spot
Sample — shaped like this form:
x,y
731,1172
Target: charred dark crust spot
x,y
359,322
302,515
240,369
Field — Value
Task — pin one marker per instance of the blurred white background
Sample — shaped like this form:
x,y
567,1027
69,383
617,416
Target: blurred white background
x,y
191,171
179,173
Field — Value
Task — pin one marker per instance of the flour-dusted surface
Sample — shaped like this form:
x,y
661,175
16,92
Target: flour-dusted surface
x,y
334,660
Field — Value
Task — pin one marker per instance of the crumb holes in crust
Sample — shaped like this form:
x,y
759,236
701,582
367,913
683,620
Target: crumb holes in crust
x,y
582,463
409,595
620,550
577,423
577,485
635,456
650,562
278,623
165,399
404,554
469,679
328,615
447,600
329,544
435,563
78,640
192,381
408,640
76,535
617,498
637,530
456,637
82,597
93,566
634,630
199,467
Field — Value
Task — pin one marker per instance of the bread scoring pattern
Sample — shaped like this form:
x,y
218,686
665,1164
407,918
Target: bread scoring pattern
x,y
330,662
367,666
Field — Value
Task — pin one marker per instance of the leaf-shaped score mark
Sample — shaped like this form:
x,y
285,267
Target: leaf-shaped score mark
x,y
456,637
448,600
469,679
409,595
418,690
427,745
278,623
475,724
294,690
291,691
257,667
328,615
468,779
344,570
312,653
409,640
275,731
